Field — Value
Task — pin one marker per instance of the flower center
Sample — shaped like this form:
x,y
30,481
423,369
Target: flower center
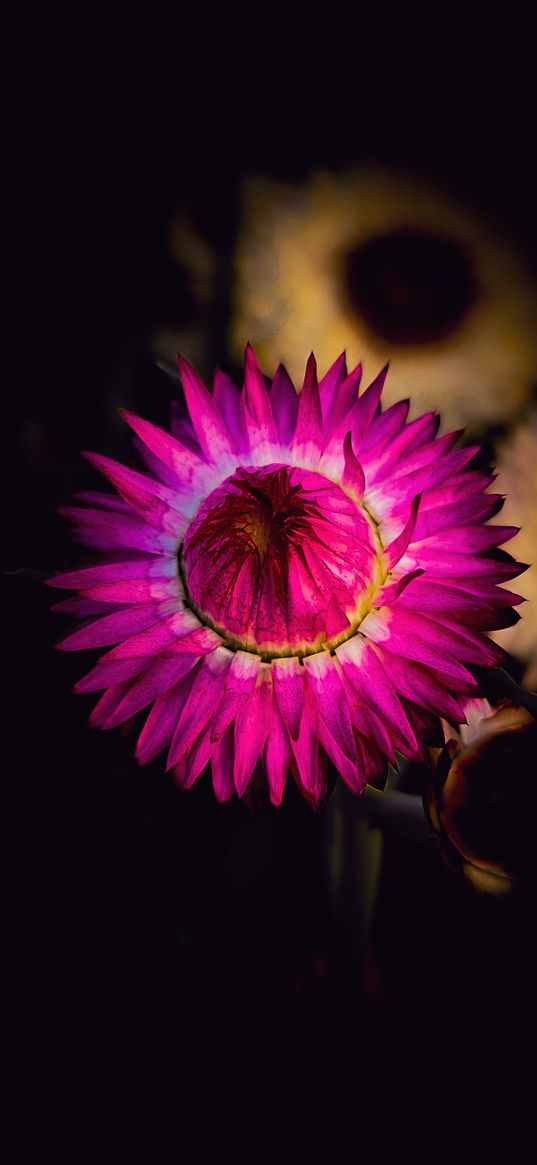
x,y
280,560
411,287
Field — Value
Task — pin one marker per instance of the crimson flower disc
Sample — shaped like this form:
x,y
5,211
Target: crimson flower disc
x,y
294,577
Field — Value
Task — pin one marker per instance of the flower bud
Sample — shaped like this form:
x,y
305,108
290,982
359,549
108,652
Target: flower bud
x,y
481,797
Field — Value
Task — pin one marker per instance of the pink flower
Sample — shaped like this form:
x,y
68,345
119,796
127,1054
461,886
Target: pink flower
x,y
294,577
482,796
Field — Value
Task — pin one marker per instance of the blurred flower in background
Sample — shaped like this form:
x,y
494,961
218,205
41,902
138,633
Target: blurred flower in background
x,y
387,267
481,797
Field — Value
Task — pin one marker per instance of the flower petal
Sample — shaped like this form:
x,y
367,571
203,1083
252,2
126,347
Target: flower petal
x,y
227,398
363,668
251,728
260,426
187,465
329,693
162,720
330,384
154,680
353,474
199,707
309,423
212,432
240,683
288,678
277,755
222,767
284,400
115,627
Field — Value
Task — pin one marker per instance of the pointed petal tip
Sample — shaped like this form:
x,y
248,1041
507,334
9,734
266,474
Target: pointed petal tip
x,y
95,459
311,368
185,367
250,359
129,417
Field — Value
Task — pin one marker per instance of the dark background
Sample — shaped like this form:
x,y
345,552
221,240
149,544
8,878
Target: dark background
x,y
170,948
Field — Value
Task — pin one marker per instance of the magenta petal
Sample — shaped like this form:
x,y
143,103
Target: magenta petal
x,y
421,686
444,516
108,703
487,592
423,640
187,771
470,539
371,764
380,733
131,485
363,668
284,399
111,572
367,406
251,728
115,531
81,607
94,497
310,419
227,398
472,647
325,682
135,591
448,564
345,401
395,587
258,416
113,628
203,698
348,769
177,456
158,637
288,679
336,620
277,756
240,683
383,430
153,681
430,452
222,767
211,431
306,751
161,471
398,547
106,673
162,720
394,450
181,426
447,596
329,386
353,474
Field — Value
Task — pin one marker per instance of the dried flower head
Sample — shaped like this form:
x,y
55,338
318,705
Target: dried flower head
x,y
294,576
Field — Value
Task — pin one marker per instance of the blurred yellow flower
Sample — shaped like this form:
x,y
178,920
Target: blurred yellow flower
x,y
387,267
